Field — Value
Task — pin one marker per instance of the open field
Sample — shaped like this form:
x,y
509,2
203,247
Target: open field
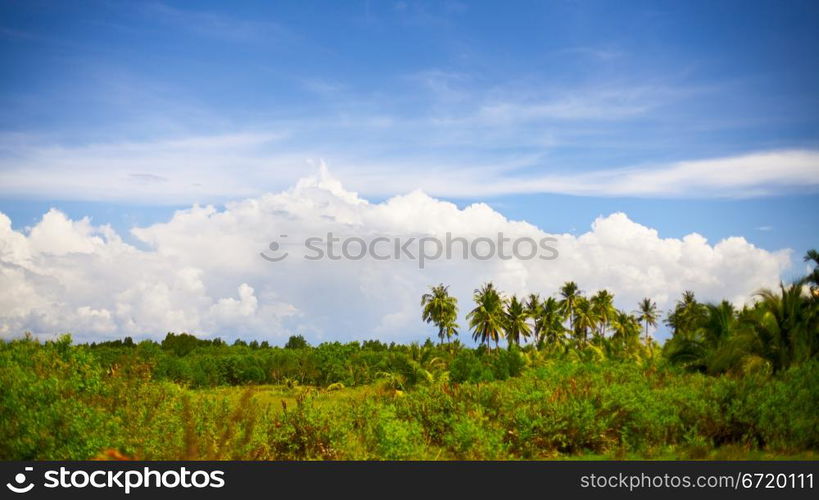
x,y
59,401
277,398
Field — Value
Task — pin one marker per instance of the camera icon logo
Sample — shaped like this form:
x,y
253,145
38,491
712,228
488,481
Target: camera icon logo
x,y
20,478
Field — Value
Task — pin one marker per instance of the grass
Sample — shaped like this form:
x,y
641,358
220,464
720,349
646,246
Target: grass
x,y
275,398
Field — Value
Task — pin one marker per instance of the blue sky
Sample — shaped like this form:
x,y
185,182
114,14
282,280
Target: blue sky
x,y
524,89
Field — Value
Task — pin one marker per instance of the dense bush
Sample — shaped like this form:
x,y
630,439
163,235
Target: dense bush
x,y
49,401
196,363
59,401
480,365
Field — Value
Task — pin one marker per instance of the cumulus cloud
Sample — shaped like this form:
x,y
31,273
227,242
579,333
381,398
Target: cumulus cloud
x,y
201,271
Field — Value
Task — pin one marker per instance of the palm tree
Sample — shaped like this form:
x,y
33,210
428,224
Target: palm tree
x,y
584,319
647,314
812,279
626,327
515,321
785,326
603,309
442,309
570,293
487,319
709,346
719,322
686,316
550,322
534,309
625,337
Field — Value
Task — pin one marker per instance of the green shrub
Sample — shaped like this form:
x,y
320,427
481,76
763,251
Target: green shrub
x,y
59,401
307,432
47,395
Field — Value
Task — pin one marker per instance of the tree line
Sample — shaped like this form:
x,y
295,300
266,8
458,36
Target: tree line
x,y
779,329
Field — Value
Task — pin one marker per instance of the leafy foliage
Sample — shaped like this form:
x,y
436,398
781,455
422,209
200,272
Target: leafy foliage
x,y
59,402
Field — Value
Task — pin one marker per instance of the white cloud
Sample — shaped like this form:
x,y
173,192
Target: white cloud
x,y
750,175
604,105
754,174
202,271
214,169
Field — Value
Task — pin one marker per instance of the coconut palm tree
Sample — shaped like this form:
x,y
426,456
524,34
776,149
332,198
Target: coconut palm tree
x,y
647,315
687,315
812,279
709,346
534,308
602,304
570,293
550,322
487,319
784,326
584,319
442,309
625,326
515,323
625,342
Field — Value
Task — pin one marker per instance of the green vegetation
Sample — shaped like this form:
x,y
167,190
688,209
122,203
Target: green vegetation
x,y
579,378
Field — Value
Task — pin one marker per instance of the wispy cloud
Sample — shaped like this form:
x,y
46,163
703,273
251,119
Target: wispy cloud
x,y
322,87
743,176
755,174
597,106
599,53
148,178
216,25
222,167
